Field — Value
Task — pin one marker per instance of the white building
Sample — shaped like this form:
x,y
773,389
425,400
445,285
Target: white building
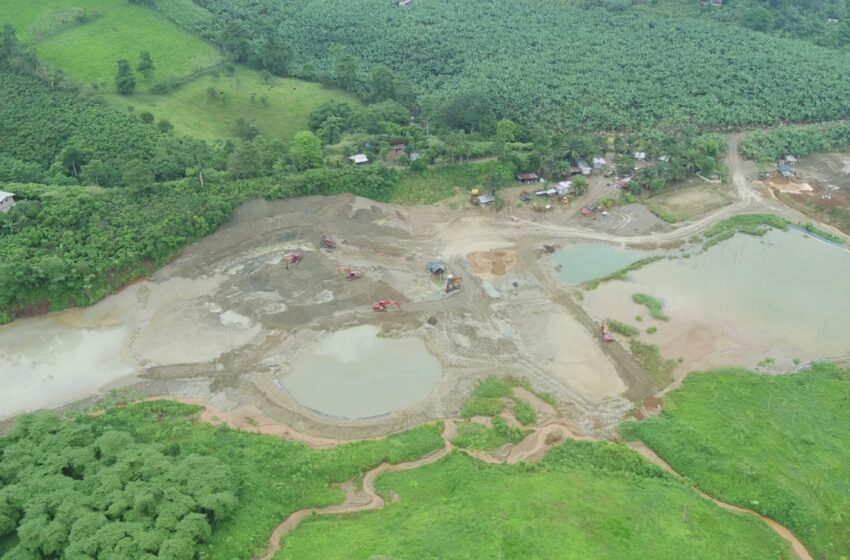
x,y
359,159
7,200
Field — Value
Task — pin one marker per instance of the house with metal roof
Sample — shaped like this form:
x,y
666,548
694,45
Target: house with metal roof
x,y
7,200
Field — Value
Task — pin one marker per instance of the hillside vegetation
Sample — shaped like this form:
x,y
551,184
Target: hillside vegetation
x,y
584,500
209,106
86,38
147,481
556,62
775,444
62,246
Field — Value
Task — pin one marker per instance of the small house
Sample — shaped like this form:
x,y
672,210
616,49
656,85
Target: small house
x,y
437,268
526,178
486,199
640,156
395,151
785,170
664,159
7,200
359,159
564,187
583,167
599,163
790,159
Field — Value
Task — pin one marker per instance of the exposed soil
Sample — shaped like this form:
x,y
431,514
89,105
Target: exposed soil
x,y
225,320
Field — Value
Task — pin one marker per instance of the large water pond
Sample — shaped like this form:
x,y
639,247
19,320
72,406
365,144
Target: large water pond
x,y
783,295
586,261
44,363
355,374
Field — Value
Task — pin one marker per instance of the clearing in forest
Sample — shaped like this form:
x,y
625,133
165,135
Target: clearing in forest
x,y
88,50
209,106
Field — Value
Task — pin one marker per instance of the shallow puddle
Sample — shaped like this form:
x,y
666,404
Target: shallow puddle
x,y
45,363
586,261
355,374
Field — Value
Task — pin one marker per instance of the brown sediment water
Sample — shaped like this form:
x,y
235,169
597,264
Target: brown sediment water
x,y
43,363
781,296
353,373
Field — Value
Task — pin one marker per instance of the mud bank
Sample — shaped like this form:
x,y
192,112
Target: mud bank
x,y
228,319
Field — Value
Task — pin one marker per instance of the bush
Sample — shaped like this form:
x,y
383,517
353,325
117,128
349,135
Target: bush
x,y
524,413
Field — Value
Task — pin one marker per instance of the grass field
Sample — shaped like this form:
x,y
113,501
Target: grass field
x,y
688,202
776,444
274,477
193,111
88,52
438,183
585,500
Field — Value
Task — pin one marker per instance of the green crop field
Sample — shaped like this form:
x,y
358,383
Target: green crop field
x,y
209,106
776,444
584,500
562,63
115,29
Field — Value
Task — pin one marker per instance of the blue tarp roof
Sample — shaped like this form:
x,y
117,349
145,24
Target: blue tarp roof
x,y
436,267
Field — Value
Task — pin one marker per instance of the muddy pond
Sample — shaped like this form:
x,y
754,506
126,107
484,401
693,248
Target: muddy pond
x,y
782,296
43,363
354,373
586,261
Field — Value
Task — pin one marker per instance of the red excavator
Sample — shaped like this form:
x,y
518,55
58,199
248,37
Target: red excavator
x,y
293,258
349,273
327,243
606,332
383,304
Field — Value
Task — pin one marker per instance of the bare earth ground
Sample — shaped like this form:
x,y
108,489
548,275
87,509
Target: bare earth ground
x,y
225,320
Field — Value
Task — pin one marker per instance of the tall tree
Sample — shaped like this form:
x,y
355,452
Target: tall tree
x,y
506,130
72,159
93,172
345,71
138,176
145,66
306,150
428,110
331,130
244,162
382,84
124,79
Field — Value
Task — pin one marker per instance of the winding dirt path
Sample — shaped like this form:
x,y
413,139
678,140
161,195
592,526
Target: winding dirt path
x,y
798,547
548,432
366,500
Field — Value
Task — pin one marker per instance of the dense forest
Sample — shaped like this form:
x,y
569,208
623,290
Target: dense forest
x,y
558,63
822,22
799,141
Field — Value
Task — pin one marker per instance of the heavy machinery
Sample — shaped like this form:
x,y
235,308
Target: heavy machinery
x,y
293,258
327,243
350,274
453,283
383,304
606,332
